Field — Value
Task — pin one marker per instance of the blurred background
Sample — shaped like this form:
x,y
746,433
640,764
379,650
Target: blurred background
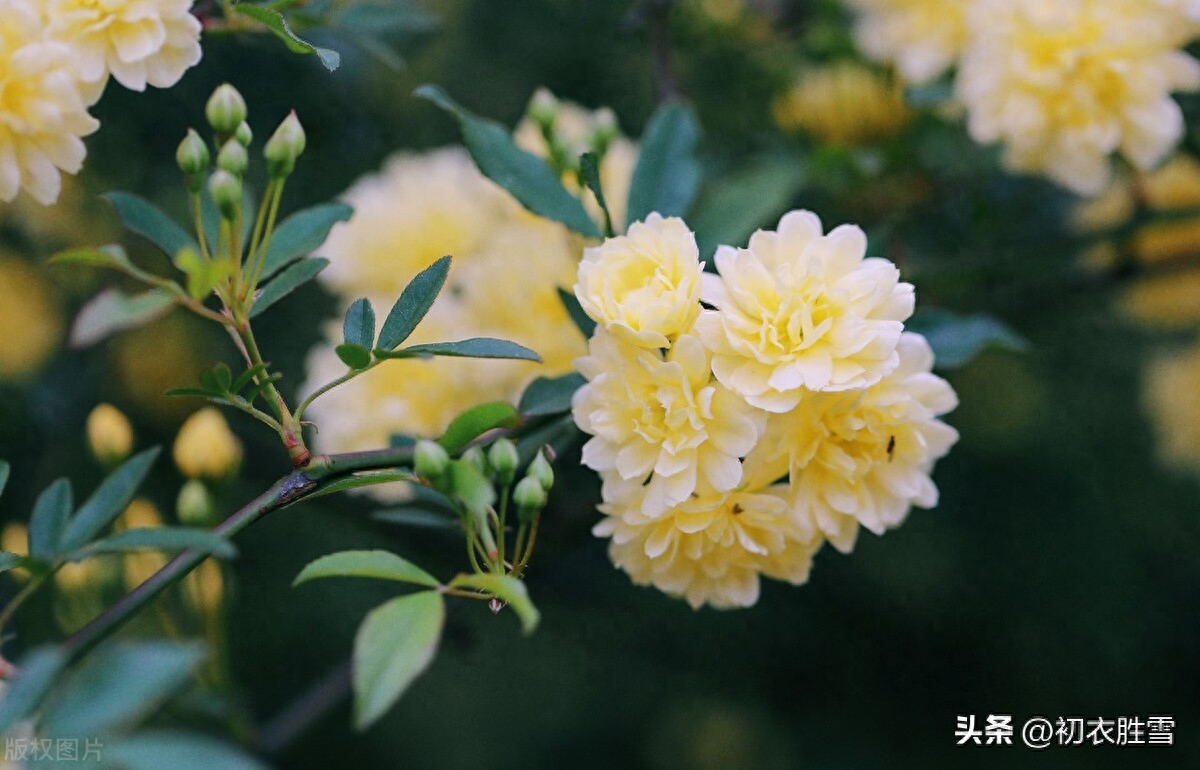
x,y
1056,577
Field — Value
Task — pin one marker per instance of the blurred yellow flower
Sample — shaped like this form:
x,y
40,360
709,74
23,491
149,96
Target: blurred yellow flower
x,y
1170,389
644,287
181,343
842,104
1165,301
205,447
110,436
921,38
204,588
74,577
30,316
1066,84
139,514
14,538
662,420
800,311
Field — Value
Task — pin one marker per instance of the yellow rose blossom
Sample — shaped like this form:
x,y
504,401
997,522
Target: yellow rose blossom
x,y
844,104
921,38
862,456
712,548
800,311
644,287
1171,385
31,317
42,111
663,420
14,538
110,436
205,447
1066,84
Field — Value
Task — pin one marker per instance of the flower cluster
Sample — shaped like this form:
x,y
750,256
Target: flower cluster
x,y
55,59
1062,85
739,420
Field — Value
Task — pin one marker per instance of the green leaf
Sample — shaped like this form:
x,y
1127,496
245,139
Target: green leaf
x,y
582,320
108,501
5,469
589,174
288,280
245,377
476,421
210,218
472,347
359,326
371,564
111,256
956,339
274,21
10,560
414,303
530,180
394,645
48,520
353,356
507,589
470,487
733,206
187,392
550,395
203,275
360,480
145,219
159,539
416,517
176,749
391,17
120,685
667,173
217,379
111,311
39,668
303,232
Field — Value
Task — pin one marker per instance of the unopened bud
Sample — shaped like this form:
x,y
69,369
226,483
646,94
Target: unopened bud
x,y
243,134
503,458
430,460
192,155
195,506
233,158
541,470
477,460
226,190
205,447
604,130
530,499
284,146
543,108
226,109
109,435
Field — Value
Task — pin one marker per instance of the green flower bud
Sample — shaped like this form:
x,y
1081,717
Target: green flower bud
x,y
195,506
233,158
541,470
530,499
604,131
284,146
430,460
243,134
226,190
226,109
477,460
192,155
543,108
503,458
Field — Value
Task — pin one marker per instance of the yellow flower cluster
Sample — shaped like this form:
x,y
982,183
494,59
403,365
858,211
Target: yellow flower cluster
x,y
1063,85
843,104
793,410
504,281
55,57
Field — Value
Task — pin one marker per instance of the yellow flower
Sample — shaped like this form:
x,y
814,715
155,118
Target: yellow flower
x,y
136,41
710,549
844,104
662,420
1167,301
15,538
1171,384
139,514
42,112
800,311
204,588
205,447
1066,84
862,456
109,433
644,287
921,38
30,316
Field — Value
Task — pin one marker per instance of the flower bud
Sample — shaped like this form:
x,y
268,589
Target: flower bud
x,y
541,470
430,460
192,154
530,499
543,108
195,506
233,158
604,130
139,514
502,456
226,109
284,146
109,435
226,190
477,460
204,588
243,134
14,538
205,447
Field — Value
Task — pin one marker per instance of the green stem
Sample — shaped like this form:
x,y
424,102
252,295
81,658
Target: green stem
x,y
331,385
199,223
261,259
500,529
33,585
256,236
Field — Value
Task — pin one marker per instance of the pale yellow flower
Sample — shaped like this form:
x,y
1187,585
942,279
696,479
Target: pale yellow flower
x,y
800,311
712,548
204,588
138,42
42,112
644,287
139,514
31,318
1066,84
1170,301
843,104
862,456
1171,385
921,38
665,421
14,538
110,436
205,447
